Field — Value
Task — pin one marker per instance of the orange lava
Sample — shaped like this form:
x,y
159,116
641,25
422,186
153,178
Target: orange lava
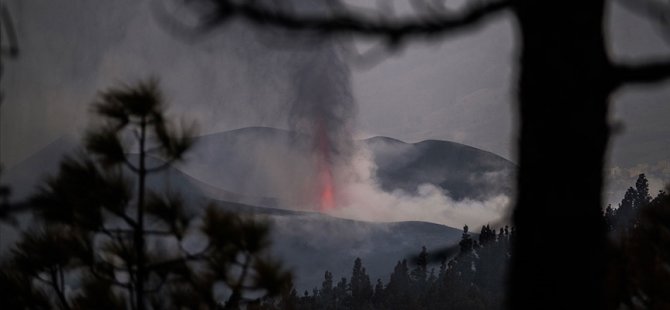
x,y
327,200
325,175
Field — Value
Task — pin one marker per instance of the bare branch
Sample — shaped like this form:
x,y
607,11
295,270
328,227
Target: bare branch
x,y
57,285
186,258
131,222
160,167
6,23
652,72
393,30
130,165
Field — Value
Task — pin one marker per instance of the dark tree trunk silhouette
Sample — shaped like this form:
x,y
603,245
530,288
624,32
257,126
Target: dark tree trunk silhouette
x,y
140,273
564,85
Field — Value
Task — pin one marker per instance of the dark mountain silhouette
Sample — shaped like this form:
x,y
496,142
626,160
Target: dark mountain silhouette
x,y
463,171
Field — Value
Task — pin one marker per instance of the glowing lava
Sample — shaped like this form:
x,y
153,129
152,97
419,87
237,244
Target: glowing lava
x,y
326,199
325,174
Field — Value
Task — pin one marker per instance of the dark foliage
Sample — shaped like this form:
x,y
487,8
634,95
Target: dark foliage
x,y
638,273
473,279
103,241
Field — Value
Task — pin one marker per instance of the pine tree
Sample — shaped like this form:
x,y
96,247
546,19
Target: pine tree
x,y
420,272
110,241
398,289
625,213
360,286
639,272
642,189
466,243
327,294
342,297
610,218
378,297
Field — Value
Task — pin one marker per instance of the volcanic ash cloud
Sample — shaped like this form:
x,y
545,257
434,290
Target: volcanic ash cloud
x,y
324,108
360,197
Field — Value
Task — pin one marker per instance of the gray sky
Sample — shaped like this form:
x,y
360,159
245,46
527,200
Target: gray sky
x,y
458,88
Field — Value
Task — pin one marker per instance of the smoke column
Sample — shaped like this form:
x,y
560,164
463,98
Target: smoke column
x,y
323,107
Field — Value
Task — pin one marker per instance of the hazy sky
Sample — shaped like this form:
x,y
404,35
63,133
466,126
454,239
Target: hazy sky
x,y
458,88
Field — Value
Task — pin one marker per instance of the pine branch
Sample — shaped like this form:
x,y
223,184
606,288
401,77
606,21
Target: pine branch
x,y
109,279
338,22
160,167
57,285
131,222
651,72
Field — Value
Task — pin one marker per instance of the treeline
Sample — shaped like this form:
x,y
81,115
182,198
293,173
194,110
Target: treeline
x,y
639,230
627,216
474,278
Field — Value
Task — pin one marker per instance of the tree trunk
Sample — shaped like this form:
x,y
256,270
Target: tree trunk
x,y
139,230
563,99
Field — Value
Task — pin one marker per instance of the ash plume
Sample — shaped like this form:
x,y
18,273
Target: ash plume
x,y
323,107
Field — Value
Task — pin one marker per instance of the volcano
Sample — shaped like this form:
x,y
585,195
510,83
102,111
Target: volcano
x,y
265,166
250,165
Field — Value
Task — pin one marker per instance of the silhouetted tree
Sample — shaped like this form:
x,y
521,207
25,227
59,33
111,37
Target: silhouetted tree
x,y
419,273
95,239
627,210
398,290
327,294
8,50
466,243
610,218
642,188
342,297
638,276
360,286
378,296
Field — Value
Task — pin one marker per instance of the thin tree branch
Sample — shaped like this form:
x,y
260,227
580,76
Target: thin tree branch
x,y
651,72
121,231
12,49
338,22
45,281
125,217
61,278
111,280
236,295
188,257
161,166
59,290
130,165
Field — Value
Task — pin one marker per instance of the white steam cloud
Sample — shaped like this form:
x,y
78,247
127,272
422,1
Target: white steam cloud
x,y
360,197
